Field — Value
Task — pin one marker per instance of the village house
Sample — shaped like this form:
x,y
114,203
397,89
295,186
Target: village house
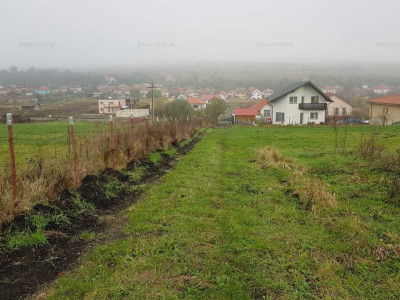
x,y
196,104
109,106
382,90
255,95
267,92
245,115
207,98
299,103
385,111
339,106
260,111
333,89
43,90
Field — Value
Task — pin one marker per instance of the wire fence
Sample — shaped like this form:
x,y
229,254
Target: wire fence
x,y
54,156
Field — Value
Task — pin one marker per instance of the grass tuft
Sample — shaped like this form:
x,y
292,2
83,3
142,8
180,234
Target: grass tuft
x,y
270,157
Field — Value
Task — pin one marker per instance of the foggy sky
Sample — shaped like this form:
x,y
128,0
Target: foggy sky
x,y
88,33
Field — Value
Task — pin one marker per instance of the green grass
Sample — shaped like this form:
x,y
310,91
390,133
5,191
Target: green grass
x,y
44,139
220,227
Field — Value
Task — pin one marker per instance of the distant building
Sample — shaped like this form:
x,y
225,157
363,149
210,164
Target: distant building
x,y
382,90
207,98
109,79
385,111
109,106
339,106
133,113
262,110
332,89
43,90
31,107
256,95
196,104
267,92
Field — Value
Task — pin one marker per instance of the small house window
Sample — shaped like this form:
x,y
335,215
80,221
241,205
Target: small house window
x,y
344,111
280,117
302,99
314,99
101,109
267,113
293,100
336,111
314,116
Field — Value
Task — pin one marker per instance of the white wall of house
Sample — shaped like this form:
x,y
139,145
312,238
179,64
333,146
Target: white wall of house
x,y
198,106
291,110
133,113
339,107
266,111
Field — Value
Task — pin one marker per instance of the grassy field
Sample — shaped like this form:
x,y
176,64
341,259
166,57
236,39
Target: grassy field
x,y
219,226
47,139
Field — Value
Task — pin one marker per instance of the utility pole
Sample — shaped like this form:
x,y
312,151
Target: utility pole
x,y
152,100
12,95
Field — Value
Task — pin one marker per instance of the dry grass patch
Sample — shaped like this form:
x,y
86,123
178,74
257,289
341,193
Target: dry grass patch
x,y
311,192
270,157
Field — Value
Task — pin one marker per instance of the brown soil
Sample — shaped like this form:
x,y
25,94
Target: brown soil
x,y
23,271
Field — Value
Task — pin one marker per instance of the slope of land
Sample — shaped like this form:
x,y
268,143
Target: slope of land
x,y
222,226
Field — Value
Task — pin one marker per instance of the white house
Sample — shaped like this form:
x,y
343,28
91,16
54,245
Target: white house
x,y
382,90
196,104
333,89
256,95
299,103
267,92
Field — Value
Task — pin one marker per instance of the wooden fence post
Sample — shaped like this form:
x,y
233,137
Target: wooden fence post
x,y
74,150
112,143
12,159
131,122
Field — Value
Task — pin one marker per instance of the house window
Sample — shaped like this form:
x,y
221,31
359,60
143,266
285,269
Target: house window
x,y
314,99
336,111
302,99
110,103
267,113
344,111
314,116
280,117
195,106
101,109
293,100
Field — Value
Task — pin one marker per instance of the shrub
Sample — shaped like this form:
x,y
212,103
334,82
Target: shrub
x,y
42,178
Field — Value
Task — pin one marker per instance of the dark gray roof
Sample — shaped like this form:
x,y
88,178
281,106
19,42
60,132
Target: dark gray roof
x,y
294,86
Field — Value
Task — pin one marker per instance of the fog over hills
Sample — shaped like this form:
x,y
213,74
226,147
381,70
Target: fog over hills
x,y
89,34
